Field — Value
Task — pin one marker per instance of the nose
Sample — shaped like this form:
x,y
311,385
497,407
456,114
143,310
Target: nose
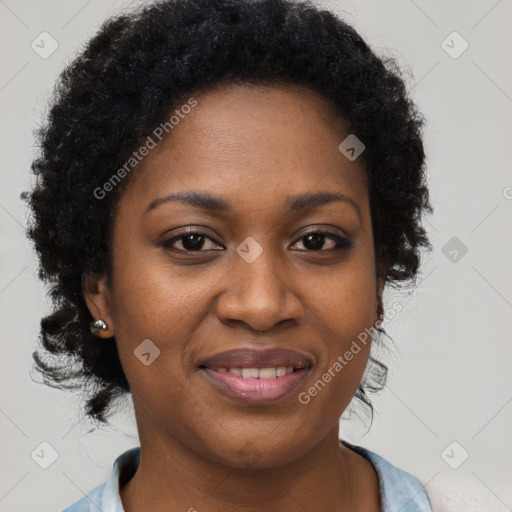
x,y
257,295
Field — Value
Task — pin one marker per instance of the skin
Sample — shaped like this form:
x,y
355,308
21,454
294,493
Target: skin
x,y
254,146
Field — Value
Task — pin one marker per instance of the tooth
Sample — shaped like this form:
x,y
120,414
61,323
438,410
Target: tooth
x,y
280,371
250,373
262,373
267,373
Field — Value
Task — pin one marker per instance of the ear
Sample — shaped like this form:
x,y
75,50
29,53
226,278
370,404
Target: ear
x,y
97,297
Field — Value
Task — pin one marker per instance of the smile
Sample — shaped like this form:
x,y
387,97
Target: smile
x,y
256,385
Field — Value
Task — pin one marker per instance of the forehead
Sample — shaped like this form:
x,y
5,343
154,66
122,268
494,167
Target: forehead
x,y
243,139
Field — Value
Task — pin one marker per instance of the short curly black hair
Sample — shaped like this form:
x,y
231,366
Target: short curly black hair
x,y
126,80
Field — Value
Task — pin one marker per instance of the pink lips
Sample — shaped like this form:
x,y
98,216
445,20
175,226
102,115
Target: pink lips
x,y
255,390
250,358
216,369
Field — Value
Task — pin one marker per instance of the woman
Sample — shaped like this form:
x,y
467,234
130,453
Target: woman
x,y
224,189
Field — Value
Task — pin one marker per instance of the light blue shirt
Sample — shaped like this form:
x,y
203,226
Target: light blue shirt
x,y
400,491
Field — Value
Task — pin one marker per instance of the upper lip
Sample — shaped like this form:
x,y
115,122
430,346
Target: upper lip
x,y
250,358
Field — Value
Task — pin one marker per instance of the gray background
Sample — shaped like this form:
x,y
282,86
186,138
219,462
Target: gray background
x,y
450,378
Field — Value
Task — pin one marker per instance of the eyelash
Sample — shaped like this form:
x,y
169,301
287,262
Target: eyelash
x,y
342,243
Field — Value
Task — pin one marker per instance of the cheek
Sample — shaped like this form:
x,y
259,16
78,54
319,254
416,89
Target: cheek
x,y
151,299
345,301
149,303
344,310
346,331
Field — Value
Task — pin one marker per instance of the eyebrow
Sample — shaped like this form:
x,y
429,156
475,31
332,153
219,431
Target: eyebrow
x,y
296,203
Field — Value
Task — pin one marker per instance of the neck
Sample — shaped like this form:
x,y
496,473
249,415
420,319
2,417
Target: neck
x,y
171,476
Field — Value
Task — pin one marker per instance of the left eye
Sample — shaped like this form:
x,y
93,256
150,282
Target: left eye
x,y
314,241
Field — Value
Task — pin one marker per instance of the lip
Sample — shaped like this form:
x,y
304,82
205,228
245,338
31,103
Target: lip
x,y
256,390
250,358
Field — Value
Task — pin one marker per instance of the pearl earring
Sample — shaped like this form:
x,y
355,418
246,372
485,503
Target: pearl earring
x,y
98,326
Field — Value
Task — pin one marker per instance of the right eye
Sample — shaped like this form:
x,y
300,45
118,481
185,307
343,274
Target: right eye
x,y
191,241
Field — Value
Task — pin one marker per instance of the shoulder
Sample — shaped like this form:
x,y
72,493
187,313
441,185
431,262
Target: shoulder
x,y
400,491
105,496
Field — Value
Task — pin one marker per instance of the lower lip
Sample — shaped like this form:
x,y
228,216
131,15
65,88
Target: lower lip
x,y
255,390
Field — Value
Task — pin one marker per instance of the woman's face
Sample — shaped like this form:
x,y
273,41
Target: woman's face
x,y
251,278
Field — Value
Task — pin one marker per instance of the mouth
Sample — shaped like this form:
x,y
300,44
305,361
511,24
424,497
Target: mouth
x,y
256,373
256,376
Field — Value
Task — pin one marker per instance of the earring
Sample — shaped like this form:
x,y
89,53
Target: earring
x,y
98,326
